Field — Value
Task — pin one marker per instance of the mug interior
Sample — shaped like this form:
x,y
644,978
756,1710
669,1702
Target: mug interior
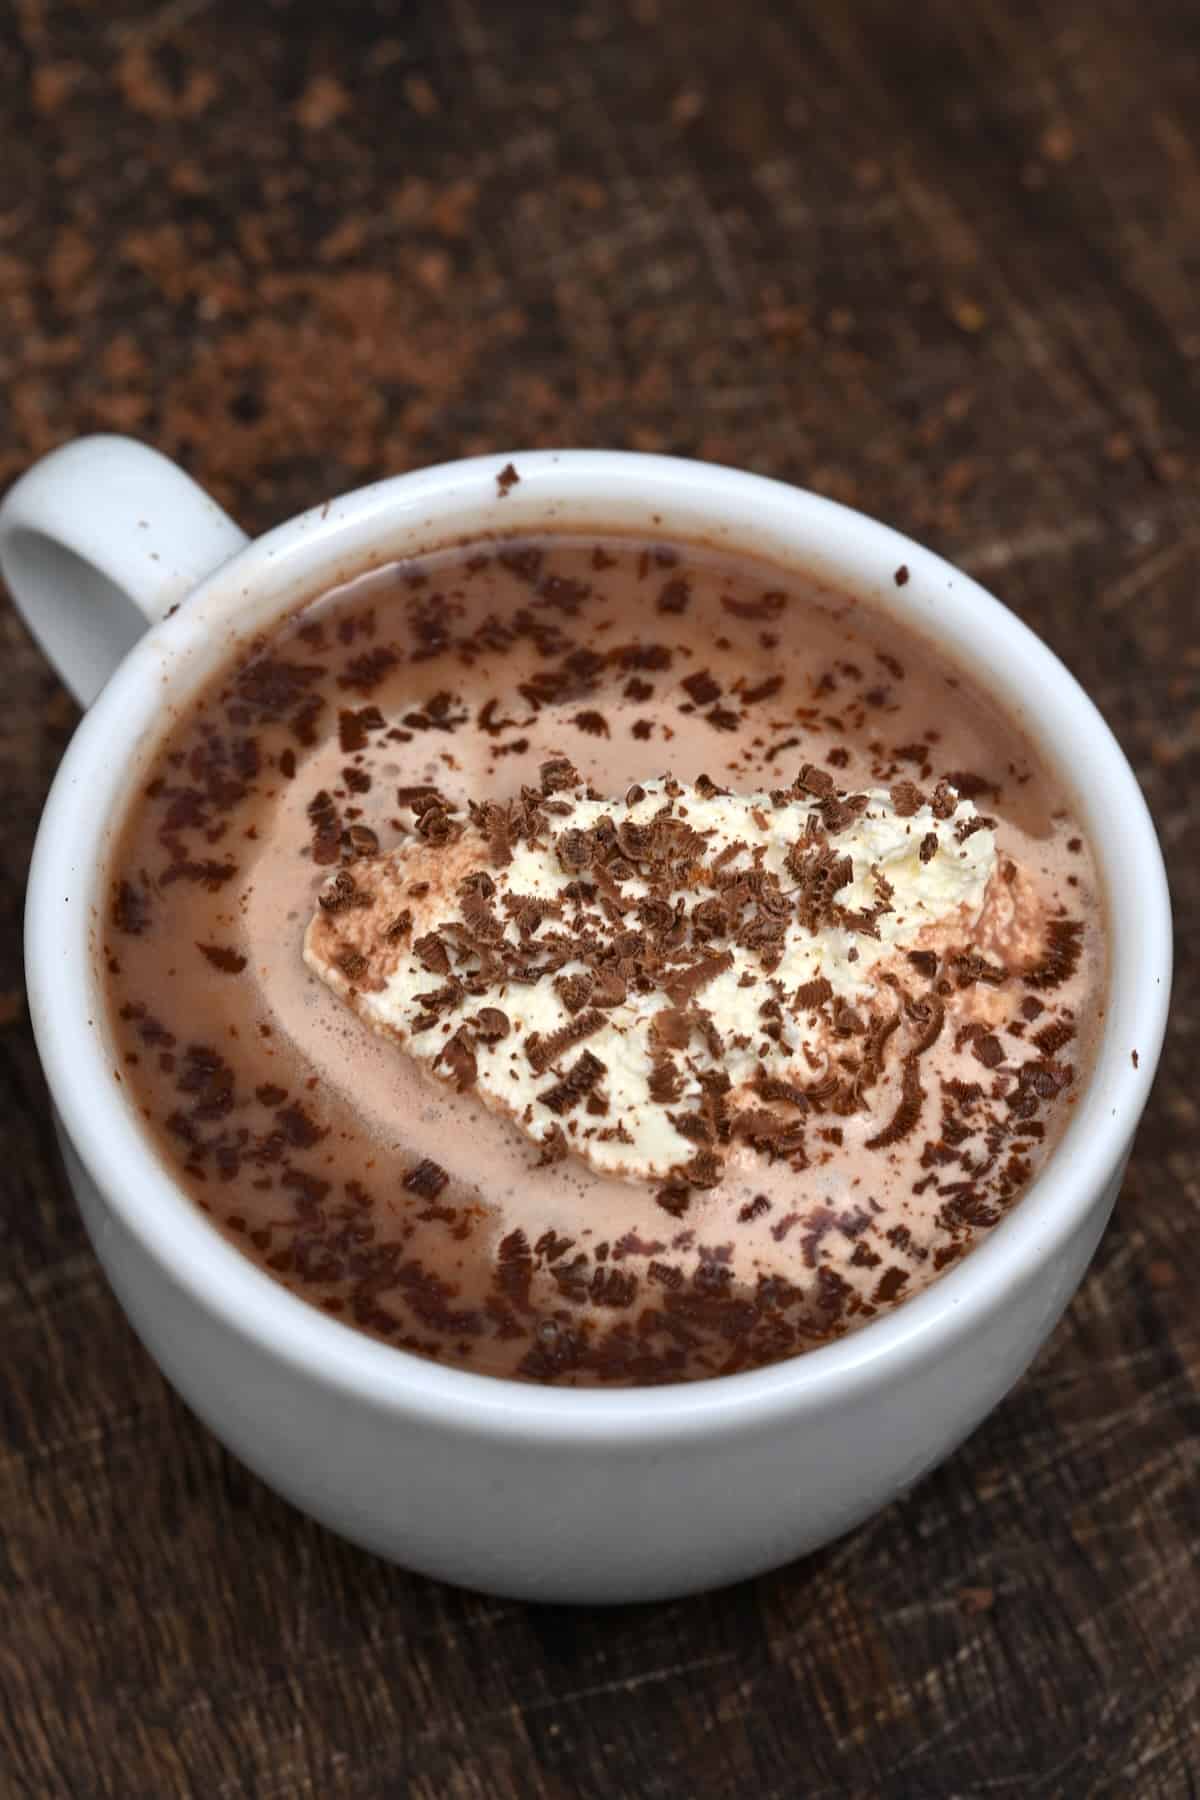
x,y
592,492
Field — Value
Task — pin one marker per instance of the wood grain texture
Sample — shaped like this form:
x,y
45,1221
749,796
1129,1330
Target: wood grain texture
x,y
940,261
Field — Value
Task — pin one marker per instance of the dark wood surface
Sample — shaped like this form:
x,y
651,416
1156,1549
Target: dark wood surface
x,y
941,261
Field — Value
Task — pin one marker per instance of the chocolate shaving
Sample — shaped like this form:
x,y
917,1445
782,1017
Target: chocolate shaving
x,y
1039,1081
340,893
702,688
364,673
491,1024
229,962
666,1084
968,967
929,1016
878,1035
558,774
525,561
762,690
714,1042
907,798
352,734
703,1171
813,993
578,1081
431,953
967,828
682,985
969,786
574,990
773,1087
434,823
130,909
554,1147
709,919
1052,1038
609,989
487,721
674,1197
846,1022
426,1180
945,801
475,893
707,788
360,841
541,1052
459,1059
693,1126
613,1287
907,1115
494,823
327,827
840,812
819,872
273,687
812,780
768,605
575,850
675,595
531,913
592,722
774,1137
1060,955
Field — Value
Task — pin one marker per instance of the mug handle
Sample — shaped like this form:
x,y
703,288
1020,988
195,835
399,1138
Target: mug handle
x,y
99,540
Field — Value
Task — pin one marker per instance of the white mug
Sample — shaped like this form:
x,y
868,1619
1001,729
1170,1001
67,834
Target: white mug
x,y
522,1490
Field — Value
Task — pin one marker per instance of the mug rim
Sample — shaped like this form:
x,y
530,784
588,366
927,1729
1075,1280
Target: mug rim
x,y
852,550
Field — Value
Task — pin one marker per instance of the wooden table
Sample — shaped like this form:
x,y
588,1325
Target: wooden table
x,y
940,261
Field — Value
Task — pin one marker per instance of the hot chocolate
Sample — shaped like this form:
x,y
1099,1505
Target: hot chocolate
x,y
601,961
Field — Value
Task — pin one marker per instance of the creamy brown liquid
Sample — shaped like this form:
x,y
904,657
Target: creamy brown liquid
x,y
403,1207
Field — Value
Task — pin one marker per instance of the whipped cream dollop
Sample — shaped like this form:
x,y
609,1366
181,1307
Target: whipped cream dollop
x,y
656,982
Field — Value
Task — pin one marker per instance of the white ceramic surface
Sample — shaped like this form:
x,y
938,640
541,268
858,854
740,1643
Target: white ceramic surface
x,y
541,1493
